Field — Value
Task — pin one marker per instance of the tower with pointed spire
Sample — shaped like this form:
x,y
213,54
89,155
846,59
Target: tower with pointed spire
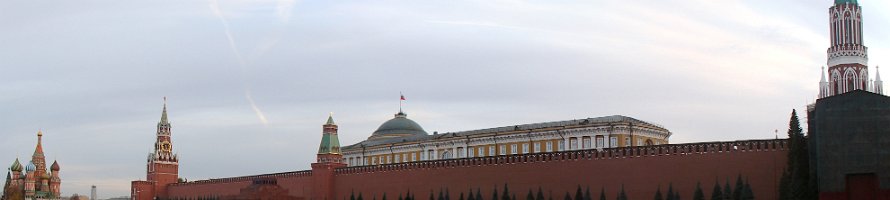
x,y
162,166
847,55
328,159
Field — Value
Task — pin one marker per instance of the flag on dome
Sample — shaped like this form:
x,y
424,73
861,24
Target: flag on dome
x,y
402,97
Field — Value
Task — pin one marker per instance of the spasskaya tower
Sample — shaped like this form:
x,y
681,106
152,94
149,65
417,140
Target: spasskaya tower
x,y
163,165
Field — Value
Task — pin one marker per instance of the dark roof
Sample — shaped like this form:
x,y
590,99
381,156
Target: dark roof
x,y
399,125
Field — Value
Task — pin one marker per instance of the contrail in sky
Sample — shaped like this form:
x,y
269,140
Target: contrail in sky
x,y
259,113
214,6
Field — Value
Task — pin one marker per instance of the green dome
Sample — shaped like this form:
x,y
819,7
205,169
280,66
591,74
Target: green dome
x,y
398,127
838,2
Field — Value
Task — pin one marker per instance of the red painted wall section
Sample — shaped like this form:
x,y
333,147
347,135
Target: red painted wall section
x,y
641,170
297,183
142,190
164,174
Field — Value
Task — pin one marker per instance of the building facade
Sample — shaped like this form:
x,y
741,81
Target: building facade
x,y
33,181
847,55
162,166
401,140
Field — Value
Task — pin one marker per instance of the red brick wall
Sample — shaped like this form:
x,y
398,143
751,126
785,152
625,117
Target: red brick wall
x,y
640,169
297,183
142,190
641,175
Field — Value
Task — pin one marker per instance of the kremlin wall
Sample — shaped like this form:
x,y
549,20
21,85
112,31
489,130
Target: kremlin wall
x,y
847,143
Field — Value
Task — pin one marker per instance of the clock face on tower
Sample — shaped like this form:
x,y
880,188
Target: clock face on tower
x,y
165,146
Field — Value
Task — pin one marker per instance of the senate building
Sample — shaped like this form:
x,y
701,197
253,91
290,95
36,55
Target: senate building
x,y
400,139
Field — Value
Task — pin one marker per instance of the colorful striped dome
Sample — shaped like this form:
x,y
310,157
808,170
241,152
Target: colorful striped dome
x,y
16,166
30,167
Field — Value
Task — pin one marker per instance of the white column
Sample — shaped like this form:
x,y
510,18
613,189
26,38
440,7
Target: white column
x,y
565,145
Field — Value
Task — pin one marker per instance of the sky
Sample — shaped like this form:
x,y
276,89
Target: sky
x,y
249,83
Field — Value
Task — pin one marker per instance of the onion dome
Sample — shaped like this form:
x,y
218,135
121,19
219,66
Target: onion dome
x,y
30,167
399,126
55,166
16,166
44,176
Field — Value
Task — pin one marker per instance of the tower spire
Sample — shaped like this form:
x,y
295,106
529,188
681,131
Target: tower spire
x,y
330,119
164,112
39,149
878,84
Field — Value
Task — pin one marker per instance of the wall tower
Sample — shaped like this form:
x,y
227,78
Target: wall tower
x,y
163,165
328,159
847,55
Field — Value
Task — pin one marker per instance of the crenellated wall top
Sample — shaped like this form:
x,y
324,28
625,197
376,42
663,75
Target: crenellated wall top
x,y
304,173
588,154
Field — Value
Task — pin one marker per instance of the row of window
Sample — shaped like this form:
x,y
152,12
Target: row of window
x,y
586,142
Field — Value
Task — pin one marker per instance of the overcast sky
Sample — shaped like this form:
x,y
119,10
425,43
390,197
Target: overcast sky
x,y
249,83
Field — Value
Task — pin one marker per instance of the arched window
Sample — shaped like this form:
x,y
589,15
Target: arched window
x,y
863,79
836,83
649,142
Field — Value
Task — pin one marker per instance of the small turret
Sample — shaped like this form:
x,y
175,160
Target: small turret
x,y
55,166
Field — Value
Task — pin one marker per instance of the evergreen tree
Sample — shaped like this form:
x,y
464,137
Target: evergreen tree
x,y
739,186
408,196
568,197
461,196
670,193
494,195
796,178
603,193
352,196
360,196
677,195
506,195
478,194
400,197
441,195
747,193
698,195
530,196
727,190
432,197
785,186
587,194
471,196
514,197
658,195
621,194
447,194
540,195
578,194
384,196
717,194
